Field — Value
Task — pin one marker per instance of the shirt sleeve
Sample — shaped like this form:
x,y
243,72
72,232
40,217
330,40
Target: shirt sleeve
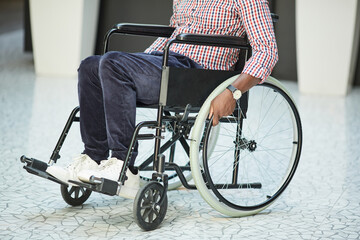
x,y
259,28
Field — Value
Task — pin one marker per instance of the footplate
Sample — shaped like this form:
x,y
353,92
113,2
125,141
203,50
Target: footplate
x,y
101,185
38,168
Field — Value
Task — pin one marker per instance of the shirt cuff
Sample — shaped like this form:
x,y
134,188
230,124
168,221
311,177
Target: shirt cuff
x,y
256,70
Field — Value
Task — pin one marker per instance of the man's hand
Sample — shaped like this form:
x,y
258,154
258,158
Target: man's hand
x,y
222,105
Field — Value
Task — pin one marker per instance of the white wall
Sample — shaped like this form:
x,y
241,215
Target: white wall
x,y
327,45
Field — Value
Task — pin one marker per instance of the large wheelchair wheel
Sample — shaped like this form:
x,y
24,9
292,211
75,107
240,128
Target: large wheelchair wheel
x,y
256,155
176,154
74,195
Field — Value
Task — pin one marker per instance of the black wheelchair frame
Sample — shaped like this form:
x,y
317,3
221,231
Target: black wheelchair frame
x,y
173,82
168,97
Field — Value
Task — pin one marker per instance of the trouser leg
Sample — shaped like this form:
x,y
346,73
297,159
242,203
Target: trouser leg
x,y
108,91
92,117
127,78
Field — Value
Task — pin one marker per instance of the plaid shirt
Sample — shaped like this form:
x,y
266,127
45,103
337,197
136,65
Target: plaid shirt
x,y
225,17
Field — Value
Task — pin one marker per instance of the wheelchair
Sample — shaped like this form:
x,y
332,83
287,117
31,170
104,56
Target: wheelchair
x,y
240,167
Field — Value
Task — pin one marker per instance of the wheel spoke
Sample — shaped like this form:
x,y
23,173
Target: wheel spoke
x,y
157,194
82,190
145,205
151,216
77,191
146,213
72,189
157,213
151,195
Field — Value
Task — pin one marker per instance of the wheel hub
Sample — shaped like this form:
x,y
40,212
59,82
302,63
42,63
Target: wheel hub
x,y
252,146
155,206
246,144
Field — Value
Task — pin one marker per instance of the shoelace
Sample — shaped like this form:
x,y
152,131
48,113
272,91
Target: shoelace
x,y
108,163
109,168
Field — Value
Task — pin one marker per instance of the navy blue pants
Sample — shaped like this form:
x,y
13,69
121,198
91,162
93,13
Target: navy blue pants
x,y
109,87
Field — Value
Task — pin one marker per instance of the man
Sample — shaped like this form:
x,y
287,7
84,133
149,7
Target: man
x,y
110,85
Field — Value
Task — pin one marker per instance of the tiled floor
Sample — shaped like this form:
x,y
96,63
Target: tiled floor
x,y
322,201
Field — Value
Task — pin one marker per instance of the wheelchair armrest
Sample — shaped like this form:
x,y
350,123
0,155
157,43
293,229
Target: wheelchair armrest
x,y
144,29
138,29
275,17
213,40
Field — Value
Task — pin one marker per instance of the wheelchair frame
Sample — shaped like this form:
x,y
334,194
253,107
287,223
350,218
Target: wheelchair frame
x,y
183,124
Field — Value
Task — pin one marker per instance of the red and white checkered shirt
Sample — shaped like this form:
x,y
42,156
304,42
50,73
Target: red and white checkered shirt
x,y
225,17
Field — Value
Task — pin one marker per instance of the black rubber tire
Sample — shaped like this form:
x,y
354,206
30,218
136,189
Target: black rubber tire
x,y
293,163
145,206
253,180
73,195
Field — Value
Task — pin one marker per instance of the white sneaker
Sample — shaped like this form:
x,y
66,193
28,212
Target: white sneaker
x,y
110,169
131,185
80,163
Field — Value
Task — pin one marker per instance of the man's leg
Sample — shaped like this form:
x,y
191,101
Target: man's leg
x,y
124,78
92,123
92,116
127,78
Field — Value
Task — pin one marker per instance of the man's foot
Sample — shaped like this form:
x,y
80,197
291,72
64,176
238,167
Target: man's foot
x,y
80,163
110,169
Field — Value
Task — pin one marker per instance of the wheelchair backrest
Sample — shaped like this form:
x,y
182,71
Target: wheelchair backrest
x,y
193,86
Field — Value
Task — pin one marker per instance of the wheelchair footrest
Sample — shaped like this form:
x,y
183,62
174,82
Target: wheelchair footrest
x,y
34,163
38,168
101,185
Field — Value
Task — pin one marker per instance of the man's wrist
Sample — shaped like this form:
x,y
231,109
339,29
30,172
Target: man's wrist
x,y
236,93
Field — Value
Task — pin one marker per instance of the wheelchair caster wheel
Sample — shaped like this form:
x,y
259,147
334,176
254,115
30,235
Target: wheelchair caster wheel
x,y
148,213
74,195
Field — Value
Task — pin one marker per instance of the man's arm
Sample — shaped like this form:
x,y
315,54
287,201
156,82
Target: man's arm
x,y
257,22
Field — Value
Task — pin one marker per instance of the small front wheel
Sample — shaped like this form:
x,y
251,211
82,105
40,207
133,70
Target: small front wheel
x,y
74,195
149,211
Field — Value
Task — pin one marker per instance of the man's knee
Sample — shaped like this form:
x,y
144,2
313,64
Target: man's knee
x,y
89,67
89,63
112,62
113,55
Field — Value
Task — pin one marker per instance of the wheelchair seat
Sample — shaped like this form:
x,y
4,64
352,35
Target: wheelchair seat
x,y
201,81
